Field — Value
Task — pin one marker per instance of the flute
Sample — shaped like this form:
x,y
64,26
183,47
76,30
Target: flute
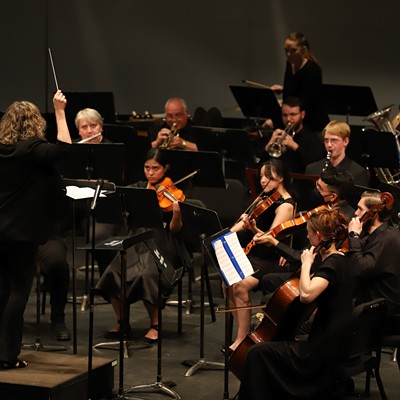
x,y
90,138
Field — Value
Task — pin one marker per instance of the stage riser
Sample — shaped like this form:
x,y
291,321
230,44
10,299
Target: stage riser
x,y
23,384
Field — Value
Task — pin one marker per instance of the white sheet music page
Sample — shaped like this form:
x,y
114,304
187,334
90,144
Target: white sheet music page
x,y
76,192
232,260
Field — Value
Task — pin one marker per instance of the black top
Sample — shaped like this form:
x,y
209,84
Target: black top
x,y
359,174
376,257
306,85
32,193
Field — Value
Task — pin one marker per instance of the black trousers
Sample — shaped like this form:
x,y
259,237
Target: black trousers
x,y
52,260
17,270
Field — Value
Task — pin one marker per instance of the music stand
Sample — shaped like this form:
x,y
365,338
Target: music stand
x,y
198,224
232,144
207,243
257,103
374,149
137,144
208,163
94,161
139,216
348,100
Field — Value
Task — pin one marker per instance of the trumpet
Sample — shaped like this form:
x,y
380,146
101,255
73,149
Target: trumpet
x,y
172,133
276,149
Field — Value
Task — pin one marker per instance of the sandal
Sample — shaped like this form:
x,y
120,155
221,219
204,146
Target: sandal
x,y
149,340
17,365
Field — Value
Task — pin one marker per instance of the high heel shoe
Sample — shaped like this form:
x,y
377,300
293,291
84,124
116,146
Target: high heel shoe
x,y
150,340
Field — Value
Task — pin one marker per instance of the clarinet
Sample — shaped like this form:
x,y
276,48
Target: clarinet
x,y
327,161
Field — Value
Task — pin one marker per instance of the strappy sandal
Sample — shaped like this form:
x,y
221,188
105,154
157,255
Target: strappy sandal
x,y
17,365
149,340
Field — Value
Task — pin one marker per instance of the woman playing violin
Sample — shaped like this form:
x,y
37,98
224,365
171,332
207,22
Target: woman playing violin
x,y
273,178
306,368
142,272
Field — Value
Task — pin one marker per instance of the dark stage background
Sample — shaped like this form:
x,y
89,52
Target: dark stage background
x,y
145,52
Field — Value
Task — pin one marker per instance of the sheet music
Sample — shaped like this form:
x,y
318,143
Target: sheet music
x,y
77,193
233,262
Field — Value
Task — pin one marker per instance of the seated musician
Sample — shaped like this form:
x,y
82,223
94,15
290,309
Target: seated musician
x,y
336,136
274,180
176,132
374,248
306,368
142,271
332,188
89,123
301,145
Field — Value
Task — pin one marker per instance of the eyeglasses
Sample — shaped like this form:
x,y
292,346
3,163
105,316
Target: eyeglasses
x,y
320,190
176,116
333,141
292,115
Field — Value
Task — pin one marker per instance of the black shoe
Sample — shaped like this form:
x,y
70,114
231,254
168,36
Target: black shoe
x,y
223,350
61,332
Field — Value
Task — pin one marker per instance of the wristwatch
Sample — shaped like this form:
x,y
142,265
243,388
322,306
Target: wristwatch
x,y
353,234
184,144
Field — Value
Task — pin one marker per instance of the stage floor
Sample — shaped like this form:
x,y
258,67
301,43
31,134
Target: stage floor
x,y
141,366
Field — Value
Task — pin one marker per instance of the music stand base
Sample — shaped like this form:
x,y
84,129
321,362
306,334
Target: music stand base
x,y
156,387
195,365
115,346
38,346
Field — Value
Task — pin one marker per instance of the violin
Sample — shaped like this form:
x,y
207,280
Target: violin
x,y
168,193
289,227
259,205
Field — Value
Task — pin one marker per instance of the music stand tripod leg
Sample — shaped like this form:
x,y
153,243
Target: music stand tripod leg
x,y
201,363
158,386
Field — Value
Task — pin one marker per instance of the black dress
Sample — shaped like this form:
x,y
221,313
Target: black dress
x,y
279,370
306,85
264,259
142,270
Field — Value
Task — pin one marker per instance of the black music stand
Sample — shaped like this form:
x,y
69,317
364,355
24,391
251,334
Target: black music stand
x,y
348,100
149,215
93,161
208,163
374,149
137,144
258,103
198,224
207,243
233,144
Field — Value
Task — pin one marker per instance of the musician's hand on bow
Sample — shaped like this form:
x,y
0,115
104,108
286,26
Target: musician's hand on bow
x,y
282,261
267,240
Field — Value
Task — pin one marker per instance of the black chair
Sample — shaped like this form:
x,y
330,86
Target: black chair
x,y
364,348
391,339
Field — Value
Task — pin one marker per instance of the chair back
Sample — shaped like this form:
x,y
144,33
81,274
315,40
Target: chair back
x,y
367,327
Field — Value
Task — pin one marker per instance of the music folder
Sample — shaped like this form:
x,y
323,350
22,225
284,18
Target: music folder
x,y
233,263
